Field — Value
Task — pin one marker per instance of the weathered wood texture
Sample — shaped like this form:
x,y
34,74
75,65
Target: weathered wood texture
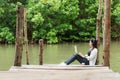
x,y
98,25
19,36
25,37
41,44
107,32
55,72
57,67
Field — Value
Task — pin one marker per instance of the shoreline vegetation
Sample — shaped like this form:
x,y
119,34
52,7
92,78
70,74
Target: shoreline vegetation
x,y
45,42
56,21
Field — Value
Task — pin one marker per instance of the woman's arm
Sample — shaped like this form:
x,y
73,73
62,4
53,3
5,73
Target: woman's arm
x,y
81,54
92,55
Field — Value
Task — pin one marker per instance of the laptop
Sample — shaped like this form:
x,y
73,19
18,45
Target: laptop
x,y
75,48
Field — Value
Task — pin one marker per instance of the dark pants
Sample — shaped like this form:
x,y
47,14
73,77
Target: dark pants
x,y
78,58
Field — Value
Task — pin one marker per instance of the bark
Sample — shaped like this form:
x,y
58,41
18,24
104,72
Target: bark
x,y
98,24
107,32
41,44
25,38
19,36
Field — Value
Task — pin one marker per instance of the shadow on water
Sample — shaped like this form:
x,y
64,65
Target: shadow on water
x,y
54,54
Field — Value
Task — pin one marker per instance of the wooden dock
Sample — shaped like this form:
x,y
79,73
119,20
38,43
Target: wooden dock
x,y
55,72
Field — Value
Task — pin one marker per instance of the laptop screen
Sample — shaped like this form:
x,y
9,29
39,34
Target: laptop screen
x,y
75,48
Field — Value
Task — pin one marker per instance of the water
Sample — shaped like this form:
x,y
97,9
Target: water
x,y
54,54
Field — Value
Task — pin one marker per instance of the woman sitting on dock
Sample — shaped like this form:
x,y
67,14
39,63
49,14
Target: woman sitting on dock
x,y
89,59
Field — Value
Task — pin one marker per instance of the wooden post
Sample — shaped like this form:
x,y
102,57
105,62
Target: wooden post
x,y
41,44
98,27
19,36
98,23
107,32
25,38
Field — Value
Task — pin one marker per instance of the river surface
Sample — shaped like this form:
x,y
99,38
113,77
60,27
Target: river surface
x,y
55,54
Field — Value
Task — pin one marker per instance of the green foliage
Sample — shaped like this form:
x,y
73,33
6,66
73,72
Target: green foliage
x,y
52,17
56,20
6,35
7,18
51,36
116,13
37,19
86,21
115,19
1,11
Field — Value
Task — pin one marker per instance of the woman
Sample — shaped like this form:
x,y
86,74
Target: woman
x,y
88,59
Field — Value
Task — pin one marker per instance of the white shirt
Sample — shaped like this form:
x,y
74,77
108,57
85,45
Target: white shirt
x,y
93,56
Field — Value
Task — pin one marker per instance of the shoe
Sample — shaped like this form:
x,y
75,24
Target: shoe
x,y
62,64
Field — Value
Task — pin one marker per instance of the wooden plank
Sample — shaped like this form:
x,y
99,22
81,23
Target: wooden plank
x,y
59,75
56,67
55,72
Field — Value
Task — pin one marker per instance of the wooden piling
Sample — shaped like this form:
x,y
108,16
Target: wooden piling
x,y
25,38
107,32
19,36
41,44
98,24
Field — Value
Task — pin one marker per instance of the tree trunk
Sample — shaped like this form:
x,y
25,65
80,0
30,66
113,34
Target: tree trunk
x,y
107,32
98,27
19,36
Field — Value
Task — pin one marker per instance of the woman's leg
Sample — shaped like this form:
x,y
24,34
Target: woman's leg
x,y
73,58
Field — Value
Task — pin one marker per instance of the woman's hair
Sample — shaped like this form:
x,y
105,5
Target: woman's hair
x,y
94,42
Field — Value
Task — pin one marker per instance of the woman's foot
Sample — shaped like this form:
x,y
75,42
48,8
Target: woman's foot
x,y
62,64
